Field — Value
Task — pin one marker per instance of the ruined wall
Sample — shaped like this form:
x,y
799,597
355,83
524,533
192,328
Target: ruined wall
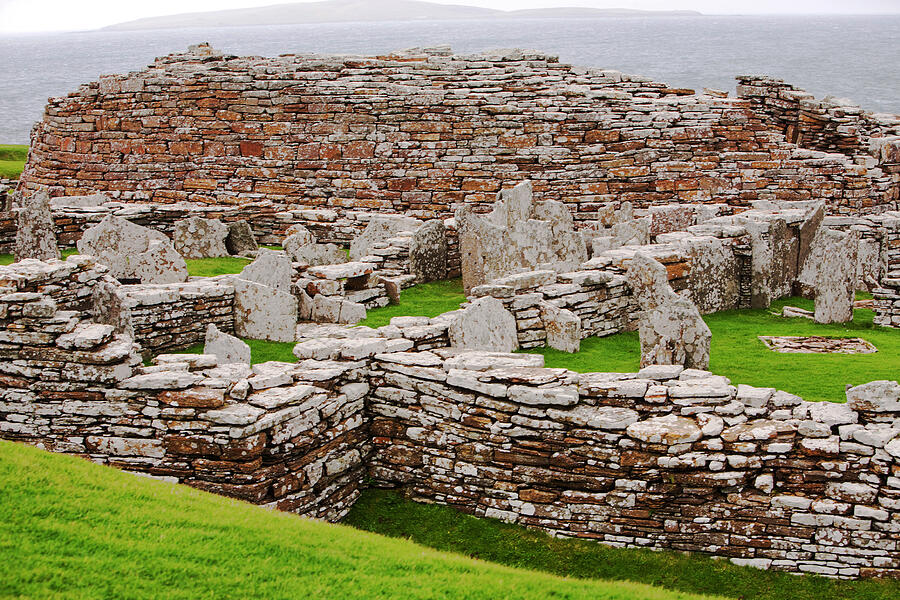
x,y
418,132
288,436
664,458
887,295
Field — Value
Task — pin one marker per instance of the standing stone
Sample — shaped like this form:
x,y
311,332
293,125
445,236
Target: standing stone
x,y
36,232
518,235
835,283
378,231
240,239
484,325
302,246
671,329
563,327
109,307
264,313
133,252
428,252
272,268
227,348
196,237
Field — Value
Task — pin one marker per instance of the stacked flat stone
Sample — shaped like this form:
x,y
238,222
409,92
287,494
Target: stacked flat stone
x,y
438,139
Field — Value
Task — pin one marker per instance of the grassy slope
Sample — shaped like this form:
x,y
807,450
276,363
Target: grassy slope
x,y
423,300
12,160
210,267
738,354
69,528
444,528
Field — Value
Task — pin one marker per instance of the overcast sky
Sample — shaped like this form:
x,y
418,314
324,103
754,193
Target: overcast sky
x,y
19,16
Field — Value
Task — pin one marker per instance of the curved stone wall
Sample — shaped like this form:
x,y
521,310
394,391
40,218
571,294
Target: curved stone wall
x,y
418,132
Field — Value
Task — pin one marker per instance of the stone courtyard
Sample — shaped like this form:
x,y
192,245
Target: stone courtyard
x,y
572,204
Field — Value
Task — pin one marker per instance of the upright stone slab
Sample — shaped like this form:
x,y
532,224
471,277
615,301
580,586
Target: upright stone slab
x,y
226,348
196,237
272,268
563,327
264,313
428,252
672,332
133,252
36,232
835,283
518,235
240,239
379,230
302,246
484,325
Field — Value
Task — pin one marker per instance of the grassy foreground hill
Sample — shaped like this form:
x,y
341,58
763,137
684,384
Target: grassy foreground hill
x,y
72,529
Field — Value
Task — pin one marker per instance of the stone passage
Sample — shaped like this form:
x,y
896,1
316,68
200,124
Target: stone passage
x,y
419,131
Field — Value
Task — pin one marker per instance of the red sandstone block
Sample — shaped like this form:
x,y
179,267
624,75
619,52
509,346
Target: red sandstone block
x,y
402,184
186,147
279,153
251,149
601,136
200,184
330,151
360,149
276,128
481,185
629,172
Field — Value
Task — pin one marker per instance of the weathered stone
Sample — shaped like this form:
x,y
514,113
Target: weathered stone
x,y
302,246
485,325
35,231
669,430
428,252
830,269
648,281
272,268
133,252
264,313
518,235
563,327
196,237
240,239
226,348
875,396
379,230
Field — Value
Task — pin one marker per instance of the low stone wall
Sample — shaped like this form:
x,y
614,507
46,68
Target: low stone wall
x,y
664,458
288,436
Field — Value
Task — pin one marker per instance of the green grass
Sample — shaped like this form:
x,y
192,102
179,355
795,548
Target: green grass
x,y
72,529
444,528
423,300
738,354
260,351
7,259
12,160
220,265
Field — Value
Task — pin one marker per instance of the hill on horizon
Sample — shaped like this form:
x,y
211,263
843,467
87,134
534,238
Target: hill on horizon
x,y
341,11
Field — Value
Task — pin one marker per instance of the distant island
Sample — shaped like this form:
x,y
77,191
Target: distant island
x,y
342,11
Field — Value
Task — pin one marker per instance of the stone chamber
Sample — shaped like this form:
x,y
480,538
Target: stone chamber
x,y
572,202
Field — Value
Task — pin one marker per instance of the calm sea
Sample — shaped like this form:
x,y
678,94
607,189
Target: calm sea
x,y
852,57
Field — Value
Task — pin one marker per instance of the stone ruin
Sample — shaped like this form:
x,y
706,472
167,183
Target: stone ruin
x,y
599,224
517,235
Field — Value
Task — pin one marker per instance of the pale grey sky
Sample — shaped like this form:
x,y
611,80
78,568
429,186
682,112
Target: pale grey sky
x,y
19,16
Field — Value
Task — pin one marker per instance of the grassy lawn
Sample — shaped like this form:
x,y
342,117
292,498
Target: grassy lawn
x,y
220,265
260,351
423,300
738,354
444,528
73,529
12,160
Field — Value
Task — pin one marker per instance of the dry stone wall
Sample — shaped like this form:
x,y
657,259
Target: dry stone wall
x,y
419,132
664,458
